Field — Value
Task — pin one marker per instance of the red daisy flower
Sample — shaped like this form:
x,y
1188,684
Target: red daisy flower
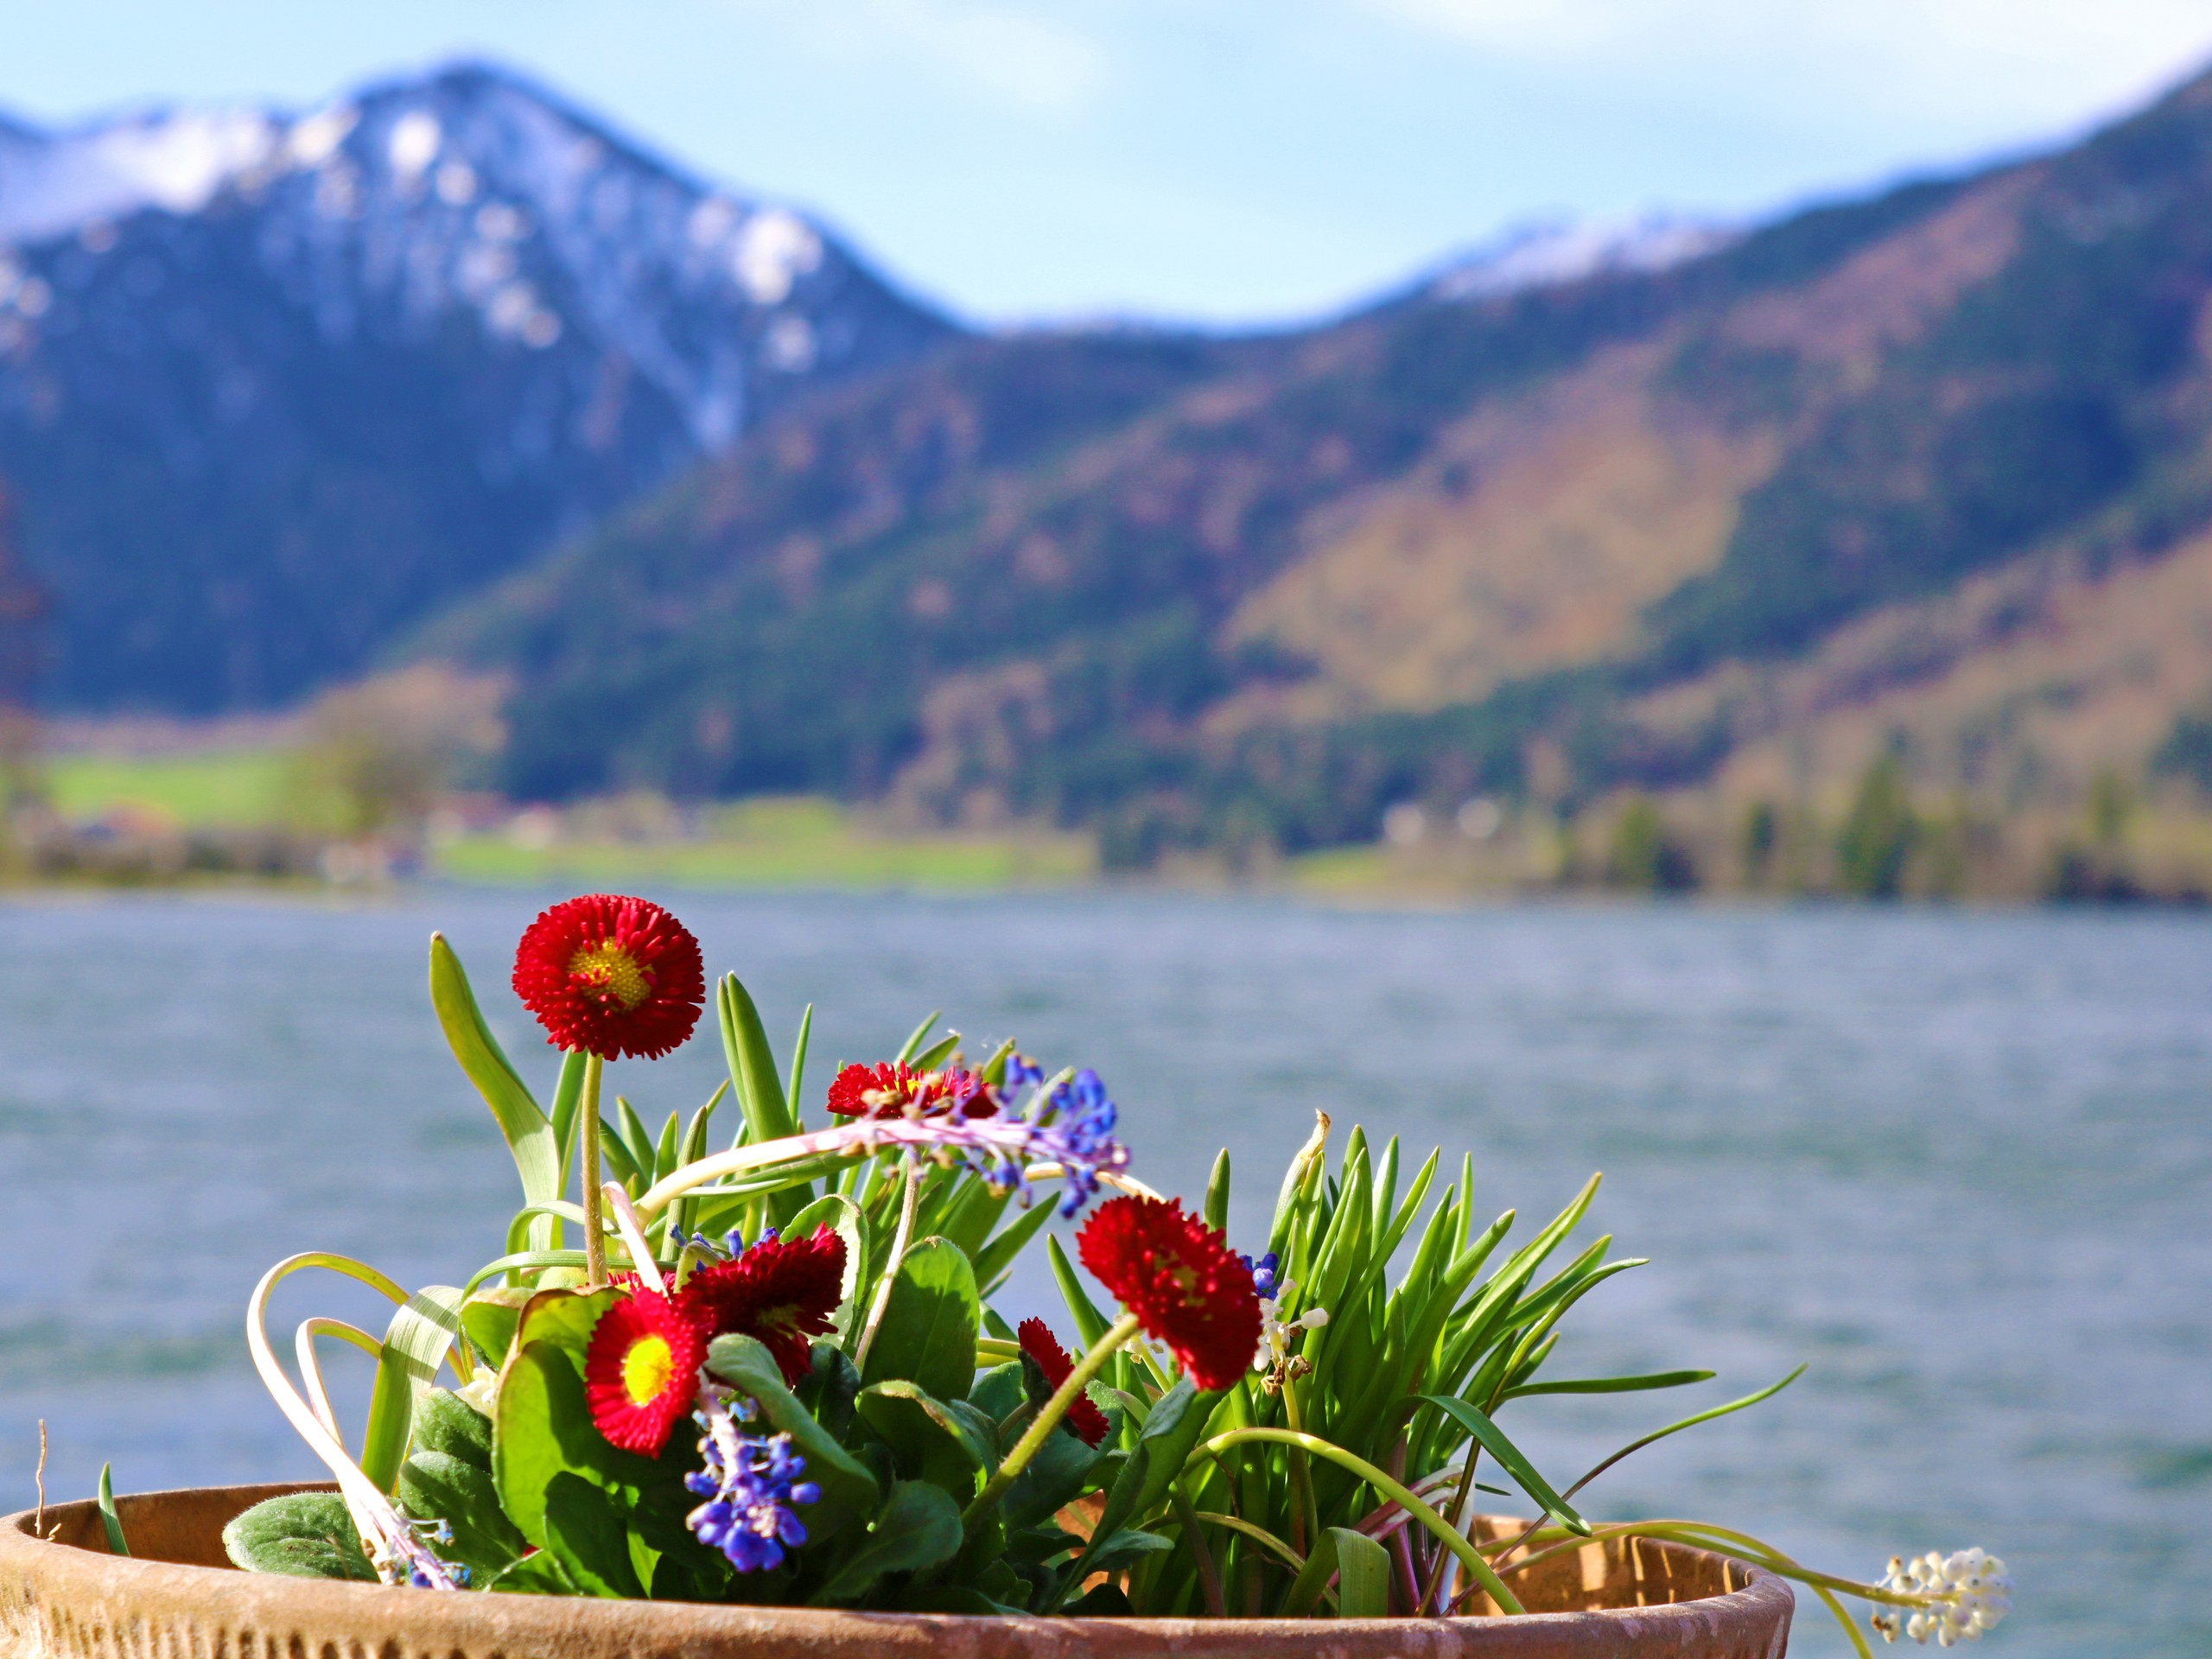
x,y
1181,1279
641,1370
1039,1343
782,1291
896,1090
611,976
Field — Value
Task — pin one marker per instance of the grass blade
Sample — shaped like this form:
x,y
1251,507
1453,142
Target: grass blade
x,y
907,1049
1508,1456
110,1523
1611,1384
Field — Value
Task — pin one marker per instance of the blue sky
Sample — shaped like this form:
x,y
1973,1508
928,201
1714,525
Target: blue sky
x,y
1219,160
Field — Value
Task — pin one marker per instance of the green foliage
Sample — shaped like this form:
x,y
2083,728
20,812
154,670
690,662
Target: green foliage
x,y
942,1479
1877,837
2186,752
110,1523
1644,857
930,1324
302,1535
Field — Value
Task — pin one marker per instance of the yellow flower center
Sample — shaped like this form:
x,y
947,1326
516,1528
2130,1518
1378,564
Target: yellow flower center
x,y
646,1370
613,972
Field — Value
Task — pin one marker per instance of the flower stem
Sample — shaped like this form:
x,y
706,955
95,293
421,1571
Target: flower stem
x,y
1430,1590
1305,1514
594,1245
1446,1534
1194,1537
907,1204
1048,1418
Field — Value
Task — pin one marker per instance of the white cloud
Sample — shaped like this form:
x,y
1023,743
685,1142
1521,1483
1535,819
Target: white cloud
x,y
1016,56
2001,58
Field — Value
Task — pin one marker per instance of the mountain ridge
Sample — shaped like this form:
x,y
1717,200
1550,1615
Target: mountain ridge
x,y
1205,621
357,361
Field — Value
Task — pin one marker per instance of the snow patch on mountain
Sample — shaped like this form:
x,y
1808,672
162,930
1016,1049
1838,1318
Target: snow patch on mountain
x,y
471,192
175,161
1545,253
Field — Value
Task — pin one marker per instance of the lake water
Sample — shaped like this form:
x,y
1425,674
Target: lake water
x,y
1961,1162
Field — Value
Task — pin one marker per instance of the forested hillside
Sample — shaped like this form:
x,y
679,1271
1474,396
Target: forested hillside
x,y
1559,540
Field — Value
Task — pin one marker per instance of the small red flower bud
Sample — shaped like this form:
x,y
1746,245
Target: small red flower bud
x,y
1085,1420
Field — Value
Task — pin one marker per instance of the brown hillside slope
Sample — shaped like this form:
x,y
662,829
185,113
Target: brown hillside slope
x,y
1536,530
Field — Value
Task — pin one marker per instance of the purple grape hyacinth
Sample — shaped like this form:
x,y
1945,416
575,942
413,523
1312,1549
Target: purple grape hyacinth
x,y
751,1483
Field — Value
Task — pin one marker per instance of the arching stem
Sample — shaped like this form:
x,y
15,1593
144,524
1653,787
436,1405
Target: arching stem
x,y
913,1167
1048,1418
1446,1534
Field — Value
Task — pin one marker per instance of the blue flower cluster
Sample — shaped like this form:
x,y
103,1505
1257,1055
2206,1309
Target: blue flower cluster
x,y
1069,1124
732,1244
1080,1132
750,1482
1264,1275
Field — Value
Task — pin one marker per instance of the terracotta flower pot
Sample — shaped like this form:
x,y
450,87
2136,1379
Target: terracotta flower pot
x,y
178,1597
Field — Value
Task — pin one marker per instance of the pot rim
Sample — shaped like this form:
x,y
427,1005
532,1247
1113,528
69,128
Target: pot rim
x,y
30,1563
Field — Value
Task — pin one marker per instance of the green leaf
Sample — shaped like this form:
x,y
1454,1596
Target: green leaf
x,y
110,1523
528,1132
928,1440
995,1260
1089,1324
918,1527
302,1535
1707,1416
906,1053
972,1212
435,1486
617,1159
534,1575
1361,1567
422,1330
637,1139
1524,1472
928,1334
568,1123
849,1492
937,1053
843,1218
694,1147
446,1423
1216,1204
768,1115
1305,1168
752,1064
797,1092
1058,1474
521,1260
1164,1445
488,1319
1126,1546
586,1534
564,1318
997,1392
542,1429
1611,1384
665,1149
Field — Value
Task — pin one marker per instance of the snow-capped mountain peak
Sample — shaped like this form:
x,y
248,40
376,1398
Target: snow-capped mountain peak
x,y
472,192
1546,252
450,314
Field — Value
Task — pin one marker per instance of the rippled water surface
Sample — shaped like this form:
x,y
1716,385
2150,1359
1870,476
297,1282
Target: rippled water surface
x,y
1961,1163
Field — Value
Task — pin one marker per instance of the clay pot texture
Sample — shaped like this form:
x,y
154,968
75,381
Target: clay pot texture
x,y
177,1597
